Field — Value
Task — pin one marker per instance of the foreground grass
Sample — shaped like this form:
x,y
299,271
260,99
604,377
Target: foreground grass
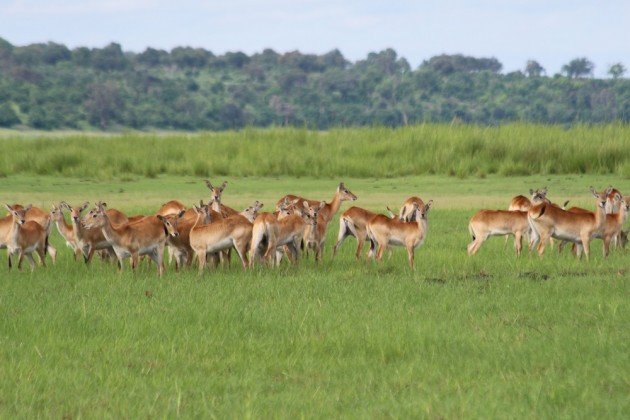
x,y
455,150
489,336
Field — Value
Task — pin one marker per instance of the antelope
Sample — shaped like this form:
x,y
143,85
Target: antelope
x,y
179,246
487,223
548,221
406,211
144,237
170,208
522,203
330,209
353,222
612,230
25,237
216,193
35,214
219,235
88,240
613,201
384,231
315,234
65,230
287,230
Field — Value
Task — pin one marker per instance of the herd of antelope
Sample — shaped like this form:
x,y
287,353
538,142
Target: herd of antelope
x,y
542,221
211,231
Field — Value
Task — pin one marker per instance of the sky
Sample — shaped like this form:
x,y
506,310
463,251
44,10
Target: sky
x,y
551,32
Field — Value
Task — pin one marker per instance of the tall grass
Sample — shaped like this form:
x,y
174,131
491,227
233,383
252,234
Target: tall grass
x,y
458,150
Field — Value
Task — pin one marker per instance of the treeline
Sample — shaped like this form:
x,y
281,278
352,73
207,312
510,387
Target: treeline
x,y
49,86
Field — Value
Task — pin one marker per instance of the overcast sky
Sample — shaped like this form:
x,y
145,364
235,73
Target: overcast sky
x,y
550,31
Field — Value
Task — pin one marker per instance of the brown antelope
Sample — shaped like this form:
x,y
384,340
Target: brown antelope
x,y
35,214
234,231
179,246
613,201
549,221
170,208
612,230
144,237
88,240
406,211
522,203
384,231
325,214
487,223
353,222
25,237
286,230
215,199
65,230
315,234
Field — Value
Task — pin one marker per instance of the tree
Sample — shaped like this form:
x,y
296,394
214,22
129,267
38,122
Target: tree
x,y
617,70
8,117
533,69
109,58
578,67
103,105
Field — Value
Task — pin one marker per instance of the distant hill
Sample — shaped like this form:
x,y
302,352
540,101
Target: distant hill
x,y
48,86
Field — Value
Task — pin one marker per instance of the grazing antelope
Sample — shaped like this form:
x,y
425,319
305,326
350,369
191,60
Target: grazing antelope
x,y
406,211
384,231
25,237
65,230
325,214
144,237
487,223
215,199
548,221
170,208
220,235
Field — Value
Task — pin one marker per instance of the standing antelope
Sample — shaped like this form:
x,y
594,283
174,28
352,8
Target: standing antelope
x,y
487,223
234,231
25,237
144,237
326,214
384,231
549,221
522,203
406,211
170,208
287,230
613,201
65,230
35,214
88,240
353,222
215,199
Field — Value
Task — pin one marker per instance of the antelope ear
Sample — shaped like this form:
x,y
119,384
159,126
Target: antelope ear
x,y
341,186
84,206
209,184
531,192
544,191
286,201
159,216
305,204
8,207
592,190
181,213
428,205
618,197
294,202
321,205
27,208
222,187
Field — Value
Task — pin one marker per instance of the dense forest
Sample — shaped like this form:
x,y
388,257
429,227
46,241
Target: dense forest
x,y
49,86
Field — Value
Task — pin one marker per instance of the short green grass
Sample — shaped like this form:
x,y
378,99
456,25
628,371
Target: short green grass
x,y
489,336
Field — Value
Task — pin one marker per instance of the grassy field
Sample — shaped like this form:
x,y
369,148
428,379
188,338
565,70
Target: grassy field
x,y
454,150
490,336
